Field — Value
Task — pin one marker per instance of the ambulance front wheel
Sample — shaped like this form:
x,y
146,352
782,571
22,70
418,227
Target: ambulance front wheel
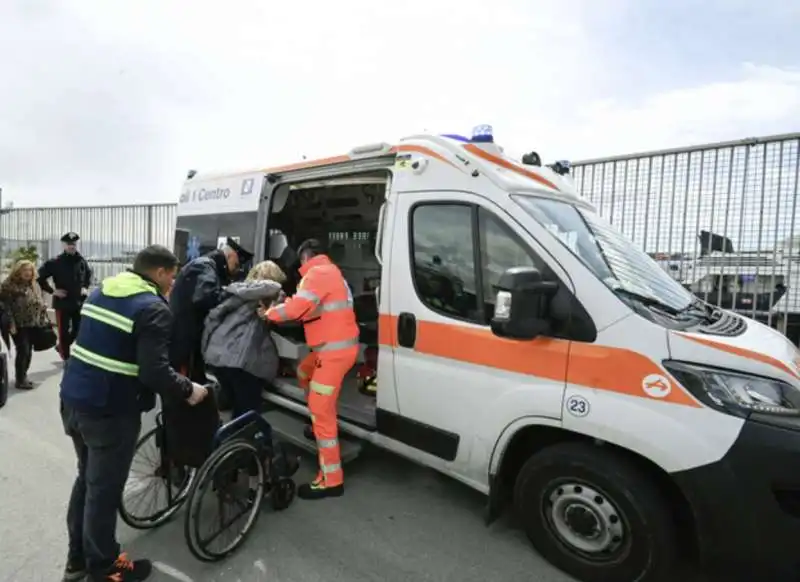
x,y
592,513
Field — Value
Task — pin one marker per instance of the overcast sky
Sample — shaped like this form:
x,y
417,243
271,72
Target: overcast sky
x,y
111,101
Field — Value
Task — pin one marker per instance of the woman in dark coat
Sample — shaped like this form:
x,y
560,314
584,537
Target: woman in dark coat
x,y
25,310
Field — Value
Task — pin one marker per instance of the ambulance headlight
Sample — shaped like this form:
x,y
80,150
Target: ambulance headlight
x,y
736,393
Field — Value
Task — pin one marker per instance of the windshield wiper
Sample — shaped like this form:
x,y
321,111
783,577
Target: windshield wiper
x,y
700,309
648,300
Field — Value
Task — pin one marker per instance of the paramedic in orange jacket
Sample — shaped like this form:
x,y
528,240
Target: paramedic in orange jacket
x,y
324,304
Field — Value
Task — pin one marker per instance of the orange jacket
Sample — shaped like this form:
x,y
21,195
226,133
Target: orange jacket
x,y
324,304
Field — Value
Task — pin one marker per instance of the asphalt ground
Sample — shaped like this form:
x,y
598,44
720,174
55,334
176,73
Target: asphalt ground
x,y
396,522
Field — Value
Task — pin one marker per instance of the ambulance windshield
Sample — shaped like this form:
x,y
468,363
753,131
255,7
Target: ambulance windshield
x,y
613,258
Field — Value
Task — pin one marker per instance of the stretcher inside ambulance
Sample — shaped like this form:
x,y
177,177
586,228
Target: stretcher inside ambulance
x,y
517,342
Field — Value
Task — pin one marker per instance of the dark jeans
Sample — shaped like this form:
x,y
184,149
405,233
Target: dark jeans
x,y
105,448
244,388
22,361
67,321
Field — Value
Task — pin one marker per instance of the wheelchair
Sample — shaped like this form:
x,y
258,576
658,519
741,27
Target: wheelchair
x,y
241,472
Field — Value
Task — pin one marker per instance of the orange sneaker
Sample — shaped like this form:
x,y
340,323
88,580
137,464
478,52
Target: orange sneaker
x,y
125,570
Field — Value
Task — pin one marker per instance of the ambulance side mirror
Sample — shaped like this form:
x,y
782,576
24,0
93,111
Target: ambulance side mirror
x,y
522,304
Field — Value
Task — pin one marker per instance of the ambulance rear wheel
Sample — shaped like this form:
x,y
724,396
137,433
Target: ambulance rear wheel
x,y
592,513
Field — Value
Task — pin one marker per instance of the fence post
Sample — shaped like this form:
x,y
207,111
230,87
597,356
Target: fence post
x,y
149,224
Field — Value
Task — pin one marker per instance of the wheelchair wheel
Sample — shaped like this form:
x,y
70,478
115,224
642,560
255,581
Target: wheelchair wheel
x,y
155,489
223,506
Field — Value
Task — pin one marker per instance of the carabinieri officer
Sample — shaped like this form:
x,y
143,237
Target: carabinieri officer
x,y
72,277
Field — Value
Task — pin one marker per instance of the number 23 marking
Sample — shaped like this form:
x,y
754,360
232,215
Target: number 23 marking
x,y
578,406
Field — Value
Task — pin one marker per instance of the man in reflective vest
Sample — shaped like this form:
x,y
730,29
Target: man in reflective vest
x,y
119,363
324,304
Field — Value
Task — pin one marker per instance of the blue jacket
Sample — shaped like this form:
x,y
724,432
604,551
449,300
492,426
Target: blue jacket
x,y
198,289
119,361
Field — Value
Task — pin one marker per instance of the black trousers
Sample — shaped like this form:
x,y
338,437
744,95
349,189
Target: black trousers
x,y
68,322
243,388
245,391
104,447
24,349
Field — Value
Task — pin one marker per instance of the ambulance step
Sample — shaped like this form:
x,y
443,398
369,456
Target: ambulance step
x,y
290,427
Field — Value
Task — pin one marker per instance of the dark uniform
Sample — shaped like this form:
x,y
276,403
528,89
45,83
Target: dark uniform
x,y
119,363
71,273
198,289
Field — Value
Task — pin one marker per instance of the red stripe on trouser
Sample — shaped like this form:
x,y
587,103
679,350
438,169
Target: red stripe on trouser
x,y
61,331
330,370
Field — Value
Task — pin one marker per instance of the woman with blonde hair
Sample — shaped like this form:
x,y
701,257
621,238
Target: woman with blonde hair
x,y
23,303
237,344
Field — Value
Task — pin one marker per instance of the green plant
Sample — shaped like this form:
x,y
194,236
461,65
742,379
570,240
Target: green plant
x,y
23,253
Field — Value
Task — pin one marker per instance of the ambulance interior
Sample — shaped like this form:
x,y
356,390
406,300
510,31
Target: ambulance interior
x,y
343,213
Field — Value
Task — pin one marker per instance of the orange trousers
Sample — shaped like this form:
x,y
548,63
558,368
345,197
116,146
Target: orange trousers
x,y
321,374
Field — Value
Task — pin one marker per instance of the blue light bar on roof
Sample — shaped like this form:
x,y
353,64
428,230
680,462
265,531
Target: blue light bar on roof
x,y
482,134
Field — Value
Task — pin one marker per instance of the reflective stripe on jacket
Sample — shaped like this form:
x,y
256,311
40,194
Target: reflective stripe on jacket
x,y
324,304
102,373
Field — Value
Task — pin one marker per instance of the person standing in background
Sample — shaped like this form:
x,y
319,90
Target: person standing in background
x,y
71,276
26,310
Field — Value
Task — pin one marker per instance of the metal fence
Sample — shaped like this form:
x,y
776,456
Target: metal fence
x,y
720,218
110,235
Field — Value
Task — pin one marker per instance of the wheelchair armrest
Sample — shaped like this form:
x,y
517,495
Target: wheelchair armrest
x,y
246,426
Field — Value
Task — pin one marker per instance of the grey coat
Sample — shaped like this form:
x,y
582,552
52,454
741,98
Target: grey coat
x,y
235,337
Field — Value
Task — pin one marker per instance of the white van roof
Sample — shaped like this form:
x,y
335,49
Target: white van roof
x,y
238,192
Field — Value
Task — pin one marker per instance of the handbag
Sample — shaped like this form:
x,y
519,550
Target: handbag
x,y
43,338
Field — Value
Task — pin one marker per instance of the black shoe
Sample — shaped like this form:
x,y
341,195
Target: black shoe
x,y
75,571
312,491
24,385
125,570
308,433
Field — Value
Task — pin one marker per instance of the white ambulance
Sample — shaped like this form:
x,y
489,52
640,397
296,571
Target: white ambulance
x,y
529,350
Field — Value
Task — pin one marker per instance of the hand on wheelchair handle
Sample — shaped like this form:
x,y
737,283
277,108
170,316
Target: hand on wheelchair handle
x,y
198,394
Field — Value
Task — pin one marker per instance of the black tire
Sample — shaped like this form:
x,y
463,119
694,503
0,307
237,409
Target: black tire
x,y
208,480
175,486
640,542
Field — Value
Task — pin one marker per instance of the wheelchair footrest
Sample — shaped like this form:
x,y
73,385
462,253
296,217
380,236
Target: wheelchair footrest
x,y
288,428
